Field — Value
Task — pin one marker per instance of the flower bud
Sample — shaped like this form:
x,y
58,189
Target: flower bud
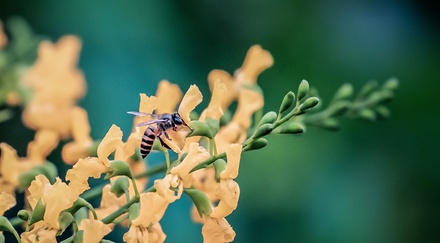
x,y
23,215
338,108
200,129
344,92
268,118
303,89
309,103
257,144
219,167
292,128
263,130
65,220
134,211
118,168
214,125
120,186
226,118
287,102
200,200
37,213
391,84
5,225
367,114
330,124
368,88
382,112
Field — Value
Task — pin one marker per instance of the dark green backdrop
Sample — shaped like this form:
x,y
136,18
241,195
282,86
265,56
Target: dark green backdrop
x,y
370,182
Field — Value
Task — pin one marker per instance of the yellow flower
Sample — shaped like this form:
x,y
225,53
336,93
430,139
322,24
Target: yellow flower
x,y
44,142
109,202
40,233
256,61
168,96
109,143
146,105
162,187
156,234
249,101
57,84
152,209
7,201
217,231
94,230
9,165
196,154
57,198
81,171
214,109
3,37
192,98
37,188
136,234
228,192
233,155
232,87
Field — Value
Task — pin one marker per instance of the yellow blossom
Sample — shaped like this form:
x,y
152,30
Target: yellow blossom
x,y
249,101
44,142
109,143
192,98
168,96
40,233
233,155
9,165
109,202
231,86
38,186
81,171
214,109
136,234
217,231
127,149
228,192
231,133
7,201
57,198
152,209
156,234
196,154
94,230
3,38
256,61
79,147
147,104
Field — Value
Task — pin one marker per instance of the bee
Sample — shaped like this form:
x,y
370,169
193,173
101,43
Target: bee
x,y
163,123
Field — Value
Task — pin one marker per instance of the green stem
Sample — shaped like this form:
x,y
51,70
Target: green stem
x,y
136,192
214,146
167,158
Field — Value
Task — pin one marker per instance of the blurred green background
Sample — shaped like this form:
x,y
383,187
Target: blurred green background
x,y
370,182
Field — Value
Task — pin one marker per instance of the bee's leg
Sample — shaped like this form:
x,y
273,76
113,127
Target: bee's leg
x,y
163,143
166,135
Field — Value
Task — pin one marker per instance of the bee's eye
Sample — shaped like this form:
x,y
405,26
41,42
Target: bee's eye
x,y
177,120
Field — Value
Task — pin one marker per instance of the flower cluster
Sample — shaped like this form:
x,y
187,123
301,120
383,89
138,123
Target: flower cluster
x,y
208,152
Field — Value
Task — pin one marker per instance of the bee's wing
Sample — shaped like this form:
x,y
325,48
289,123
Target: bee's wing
x,y
141,113
150,122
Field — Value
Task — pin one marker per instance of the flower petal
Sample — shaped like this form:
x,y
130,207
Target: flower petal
x,y
94,230
256,61
192,98
168,96
217,231
109,143
7,201
233,155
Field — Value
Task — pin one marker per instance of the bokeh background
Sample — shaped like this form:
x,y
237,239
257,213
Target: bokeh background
x,y
369,182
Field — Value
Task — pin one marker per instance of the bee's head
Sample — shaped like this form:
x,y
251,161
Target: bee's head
x,y
177,119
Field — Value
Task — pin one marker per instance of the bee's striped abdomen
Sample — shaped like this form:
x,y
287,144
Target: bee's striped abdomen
x,y
147,141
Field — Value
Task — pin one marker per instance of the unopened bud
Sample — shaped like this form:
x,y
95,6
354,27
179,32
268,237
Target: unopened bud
x,y
330,124
37,213
219,167
214,125
344,92
309,103
118,168
200,200
368,88
268,118
5,225
257,144
303,89
338,108
391,84
367,114
23,215
200,129
120,186
134,211
292,128
263,130
287,102
382,112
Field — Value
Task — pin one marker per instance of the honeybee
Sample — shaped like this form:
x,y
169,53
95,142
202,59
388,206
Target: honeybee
x,y
163,123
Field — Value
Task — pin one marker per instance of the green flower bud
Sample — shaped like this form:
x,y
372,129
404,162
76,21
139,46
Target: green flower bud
x,y
368,88
309,103
219,166
226,118
65,220
330,124
47,169
120,186
23,215
194,115
344,92
5,225
200,200
263,130
77,205
287,102
257,144
214,125
118,168
268,118
382,112
386,96
38,213
134,211
338,108
92,150
303,89
367,114
292,128
391,84
200,129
